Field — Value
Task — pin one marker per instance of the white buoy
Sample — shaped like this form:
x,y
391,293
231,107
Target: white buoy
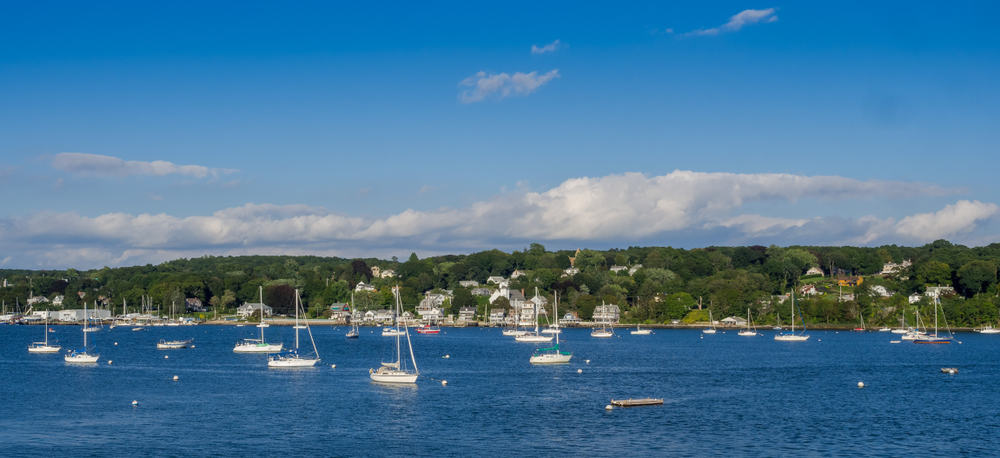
x,y
819,340
579,371
166,356
333,366
587,361
444,383
446,356
608,407
861,384
135,403
109,361
116,344
192,346
176,378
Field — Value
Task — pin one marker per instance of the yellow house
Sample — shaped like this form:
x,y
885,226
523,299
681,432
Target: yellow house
x,y
851,281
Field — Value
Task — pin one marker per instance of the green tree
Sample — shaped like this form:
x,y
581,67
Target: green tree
x,y
934,273
976,277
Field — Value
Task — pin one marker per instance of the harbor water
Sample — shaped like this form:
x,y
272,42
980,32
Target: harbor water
x,y
723,395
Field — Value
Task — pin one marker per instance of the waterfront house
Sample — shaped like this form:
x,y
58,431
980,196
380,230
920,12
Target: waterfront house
x,y
384,316
733,321
340,311
362,286
193,304
607,313
497,316
570,318
467,314
253,309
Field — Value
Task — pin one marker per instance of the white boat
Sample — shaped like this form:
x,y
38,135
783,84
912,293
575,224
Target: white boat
x,y
262,324
83,355
604,332
396,372
551,355
711,323
988,330
258,345
44,347
902,329
173,344
292,358
513,332
354,332
535,337
792,336
554,329
391,332
750,331
640,332
934,338
884,329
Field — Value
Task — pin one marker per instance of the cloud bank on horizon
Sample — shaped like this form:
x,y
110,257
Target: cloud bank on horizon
x,y
617,210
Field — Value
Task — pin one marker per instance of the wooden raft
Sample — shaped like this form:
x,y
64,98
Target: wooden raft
x,y
636,402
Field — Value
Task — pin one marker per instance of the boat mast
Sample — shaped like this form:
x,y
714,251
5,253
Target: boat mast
x,y
84,325
260,290
296,319
555,311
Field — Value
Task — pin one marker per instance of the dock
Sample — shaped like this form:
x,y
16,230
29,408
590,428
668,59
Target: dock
x,y
636,402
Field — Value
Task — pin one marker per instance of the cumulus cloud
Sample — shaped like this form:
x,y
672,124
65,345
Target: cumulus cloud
x,y
482,85
957,218
703,208
101,165
738,20
551,47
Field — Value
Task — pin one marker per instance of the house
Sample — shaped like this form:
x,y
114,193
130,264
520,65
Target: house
x,y
252,309
58,300
617,268
570,318
467,314
378,272
468,283
539,301
808,290
340,311
607,313
383,316
851,281
193,304
38,300
435,299
914,298
517,274
497,317
632,270
891,268
814,271
369,316
77,314
407,317
430,315
939,291
481,291
46,314
570,272
881,291
734,321
362,286
495,279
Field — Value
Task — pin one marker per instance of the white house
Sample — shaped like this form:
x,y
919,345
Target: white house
x,y
252,309
632,270
58,300
468,283
37,300
881,291
815,271
607,313
435,299
362,286
77,314
734,321
467,314
893,268
497,316
517,274
938,291
570,318
570,272
495,279
617,268
481,291
914,298
383,316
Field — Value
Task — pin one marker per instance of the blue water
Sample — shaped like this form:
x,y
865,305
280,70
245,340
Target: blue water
x,y
724,395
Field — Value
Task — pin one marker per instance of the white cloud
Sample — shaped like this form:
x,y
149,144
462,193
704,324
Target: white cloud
x,y
738,20
705,208
484,85
551,47
101,165
954,219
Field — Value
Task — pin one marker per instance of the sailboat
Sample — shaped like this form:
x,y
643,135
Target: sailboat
x,y
514,330
553,328
862,317
777,325
640,332
933,338
82,356
536,337
396,372
551,355
750,331
711,323
258,345
354,332
604,332
914,333
792,336
44,347
292,358
902,324
86,324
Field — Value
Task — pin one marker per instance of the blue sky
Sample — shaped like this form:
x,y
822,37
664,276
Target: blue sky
x,y
377,130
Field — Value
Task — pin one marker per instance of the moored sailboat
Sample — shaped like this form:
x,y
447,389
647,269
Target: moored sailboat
x,y
82,355
258,345
44,347
792,336
395,371
292,358
551,355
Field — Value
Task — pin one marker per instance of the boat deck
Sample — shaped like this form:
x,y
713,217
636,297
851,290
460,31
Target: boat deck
x,y
636,402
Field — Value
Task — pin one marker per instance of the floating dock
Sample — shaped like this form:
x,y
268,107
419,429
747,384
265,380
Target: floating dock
x,y
636,402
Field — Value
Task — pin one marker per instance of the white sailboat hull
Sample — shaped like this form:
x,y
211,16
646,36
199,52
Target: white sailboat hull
x,y
384,375
257,348
42,348
600,334
81,358
533,338
790,338
551,358
551,331
708,331
747,333
514,332
641,332
292,362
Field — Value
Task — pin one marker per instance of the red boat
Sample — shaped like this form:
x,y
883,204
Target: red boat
x,y
428,329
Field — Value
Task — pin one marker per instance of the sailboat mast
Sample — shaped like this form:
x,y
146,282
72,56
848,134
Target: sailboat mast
x,y
84,325
296,319
555,312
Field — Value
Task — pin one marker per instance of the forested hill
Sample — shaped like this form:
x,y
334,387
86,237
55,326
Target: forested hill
x,y
650,284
